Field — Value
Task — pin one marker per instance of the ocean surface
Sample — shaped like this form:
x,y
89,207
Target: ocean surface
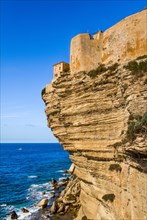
x,y
25,174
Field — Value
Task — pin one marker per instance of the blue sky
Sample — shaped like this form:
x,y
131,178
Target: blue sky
x,y
34,36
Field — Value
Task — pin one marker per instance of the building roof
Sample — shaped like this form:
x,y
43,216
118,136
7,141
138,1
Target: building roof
x,y
60,62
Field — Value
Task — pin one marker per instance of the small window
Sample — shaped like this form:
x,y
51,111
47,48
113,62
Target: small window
x,y
59,67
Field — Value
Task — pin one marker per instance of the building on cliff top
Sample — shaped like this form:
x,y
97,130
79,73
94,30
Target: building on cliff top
x,y
60,68
122,42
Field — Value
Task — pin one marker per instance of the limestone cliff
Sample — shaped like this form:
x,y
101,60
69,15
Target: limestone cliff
x,y
100,118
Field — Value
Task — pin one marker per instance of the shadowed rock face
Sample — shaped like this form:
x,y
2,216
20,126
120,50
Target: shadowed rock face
x,y
99,117
90,115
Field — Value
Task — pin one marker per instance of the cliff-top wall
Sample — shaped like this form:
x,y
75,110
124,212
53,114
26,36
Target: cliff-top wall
x,y
124,41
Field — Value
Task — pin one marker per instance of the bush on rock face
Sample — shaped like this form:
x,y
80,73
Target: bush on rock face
x,y
115,167
137,68
141,57
138,125
100,69
109,197
43,92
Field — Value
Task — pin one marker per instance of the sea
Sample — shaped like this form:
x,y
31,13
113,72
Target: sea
x,y
26,171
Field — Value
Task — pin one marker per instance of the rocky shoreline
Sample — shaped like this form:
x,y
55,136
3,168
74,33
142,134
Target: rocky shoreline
x,y
63,205
66,203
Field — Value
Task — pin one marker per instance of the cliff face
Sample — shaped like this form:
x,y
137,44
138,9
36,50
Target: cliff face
x,y
99,117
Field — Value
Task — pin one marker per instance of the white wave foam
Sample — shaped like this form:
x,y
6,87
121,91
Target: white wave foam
x,y
3,205
9,208
31,177
34,213
60,171
36,192
61,178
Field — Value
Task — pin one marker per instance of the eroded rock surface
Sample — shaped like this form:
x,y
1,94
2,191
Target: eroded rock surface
x,y
100,118
90,115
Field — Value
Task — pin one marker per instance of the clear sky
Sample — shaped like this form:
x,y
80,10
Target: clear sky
x,y
34,36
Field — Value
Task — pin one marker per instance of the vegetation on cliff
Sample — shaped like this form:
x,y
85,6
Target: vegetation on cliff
x,y
43,92
137,68
137,125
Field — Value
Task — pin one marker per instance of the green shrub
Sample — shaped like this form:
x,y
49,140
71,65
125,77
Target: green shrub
x,y
109,197
137,68
43,92
138,125
113,67
84,218
143,66
115,167
132,66
93,73
141,57
101,68
131,131
144,119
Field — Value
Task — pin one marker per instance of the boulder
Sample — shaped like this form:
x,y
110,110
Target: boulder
x,y
53,208
61,207
54,181
24,210
65,180
68,199
43,203
56,186
71,169
66,208
14,215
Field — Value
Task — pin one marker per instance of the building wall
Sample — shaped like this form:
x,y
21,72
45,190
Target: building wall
x,y
124,41
84,53
60,67
65,67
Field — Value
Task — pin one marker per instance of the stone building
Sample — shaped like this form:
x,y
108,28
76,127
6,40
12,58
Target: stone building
x,y
124,41
60,68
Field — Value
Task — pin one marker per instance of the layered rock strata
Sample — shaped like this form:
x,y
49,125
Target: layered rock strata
x,y
100,117
91,115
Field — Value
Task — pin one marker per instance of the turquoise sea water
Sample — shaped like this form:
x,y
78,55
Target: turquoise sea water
x,y
26,171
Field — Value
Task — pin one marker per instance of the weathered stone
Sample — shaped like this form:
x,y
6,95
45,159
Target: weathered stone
x,y
54,181
43,203
14,215
24,210
66,208
61,207
71,169
53,209
94,116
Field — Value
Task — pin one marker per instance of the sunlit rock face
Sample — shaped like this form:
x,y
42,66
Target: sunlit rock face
x,y
99,117
124,41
